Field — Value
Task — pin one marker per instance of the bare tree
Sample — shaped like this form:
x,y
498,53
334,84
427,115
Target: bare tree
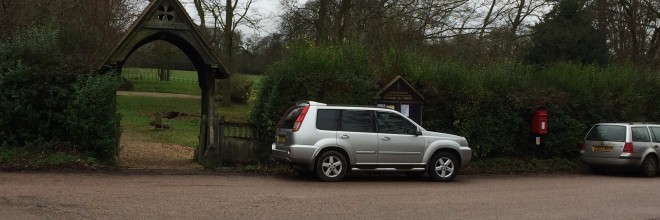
x,y
235,14
632,29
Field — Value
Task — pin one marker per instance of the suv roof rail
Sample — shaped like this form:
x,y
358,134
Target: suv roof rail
x,y
364,106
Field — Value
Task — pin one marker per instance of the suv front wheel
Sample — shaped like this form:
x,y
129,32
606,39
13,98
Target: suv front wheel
x,y
331,166
442,167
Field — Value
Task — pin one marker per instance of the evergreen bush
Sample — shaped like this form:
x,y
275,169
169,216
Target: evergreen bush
x,y
46,106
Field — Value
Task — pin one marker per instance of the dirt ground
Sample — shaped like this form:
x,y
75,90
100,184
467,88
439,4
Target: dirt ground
x,y
136,153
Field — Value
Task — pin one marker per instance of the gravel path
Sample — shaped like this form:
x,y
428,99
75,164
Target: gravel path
x,y
140,154
157,94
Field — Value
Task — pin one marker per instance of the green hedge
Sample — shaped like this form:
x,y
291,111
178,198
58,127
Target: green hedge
x,y
491,105
47,106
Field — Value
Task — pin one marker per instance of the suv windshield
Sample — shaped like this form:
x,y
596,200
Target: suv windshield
x,y
607,133
290,117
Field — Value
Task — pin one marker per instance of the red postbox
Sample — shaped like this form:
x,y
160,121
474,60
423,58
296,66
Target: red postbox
x,y
540,121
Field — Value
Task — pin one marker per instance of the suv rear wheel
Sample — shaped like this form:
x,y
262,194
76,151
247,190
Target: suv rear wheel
x,y
442,167
649,166
331,166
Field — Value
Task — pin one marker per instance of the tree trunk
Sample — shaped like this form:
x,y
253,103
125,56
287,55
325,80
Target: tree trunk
x,y
229,43
322,34
344,12
201,14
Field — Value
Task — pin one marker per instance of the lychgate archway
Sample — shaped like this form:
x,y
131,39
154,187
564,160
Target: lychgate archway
x,y
167,20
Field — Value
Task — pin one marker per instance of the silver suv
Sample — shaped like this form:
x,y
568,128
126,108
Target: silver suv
x,y
331,140
632,145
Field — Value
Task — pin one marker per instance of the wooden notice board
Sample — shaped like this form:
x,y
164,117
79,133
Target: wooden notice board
x,y
399,95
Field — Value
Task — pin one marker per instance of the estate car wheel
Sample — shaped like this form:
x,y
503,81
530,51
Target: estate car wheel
x,y
331,166
442,167
649,166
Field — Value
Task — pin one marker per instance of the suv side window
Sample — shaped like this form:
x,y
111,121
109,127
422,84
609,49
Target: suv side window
x,y
394,124
327,119
656,133
640,134
357,121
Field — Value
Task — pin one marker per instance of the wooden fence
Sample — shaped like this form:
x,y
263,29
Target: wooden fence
x,y
131,75
237,141
238,129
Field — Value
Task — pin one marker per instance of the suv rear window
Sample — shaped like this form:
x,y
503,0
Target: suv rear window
x,y
607,133
357,121
327,119
290,117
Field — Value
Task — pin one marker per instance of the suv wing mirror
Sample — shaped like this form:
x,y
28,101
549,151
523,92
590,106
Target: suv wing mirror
x,y
418,132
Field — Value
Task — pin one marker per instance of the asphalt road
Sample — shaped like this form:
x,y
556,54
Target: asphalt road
x,y
230,196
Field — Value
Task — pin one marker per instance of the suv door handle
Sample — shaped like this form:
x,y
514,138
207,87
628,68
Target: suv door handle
x,y
344,136
656,147
386,138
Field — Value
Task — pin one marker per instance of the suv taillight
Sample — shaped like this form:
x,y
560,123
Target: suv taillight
x,y
299,120
628,147
584,145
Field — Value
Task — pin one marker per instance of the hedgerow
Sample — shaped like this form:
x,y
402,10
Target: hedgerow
x,y
491,105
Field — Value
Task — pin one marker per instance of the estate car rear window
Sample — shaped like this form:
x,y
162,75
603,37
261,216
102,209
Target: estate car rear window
x,y
607,133
656,134
327,119
640,134
290,117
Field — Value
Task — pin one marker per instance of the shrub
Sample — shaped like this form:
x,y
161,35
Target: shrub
x,y
93,125
46,107
241,88
35,90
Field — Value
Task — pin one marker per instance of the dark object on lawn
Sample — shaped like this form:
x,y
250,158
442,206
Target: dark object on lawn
x,y
157,122
173,114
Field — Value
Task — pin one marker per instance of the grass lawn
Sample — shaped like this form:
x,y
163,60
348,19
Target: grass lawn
x,y
137,111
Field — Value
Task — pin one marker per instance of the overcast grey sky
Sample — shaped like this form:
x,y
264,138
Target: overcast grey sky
x,y
268,10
